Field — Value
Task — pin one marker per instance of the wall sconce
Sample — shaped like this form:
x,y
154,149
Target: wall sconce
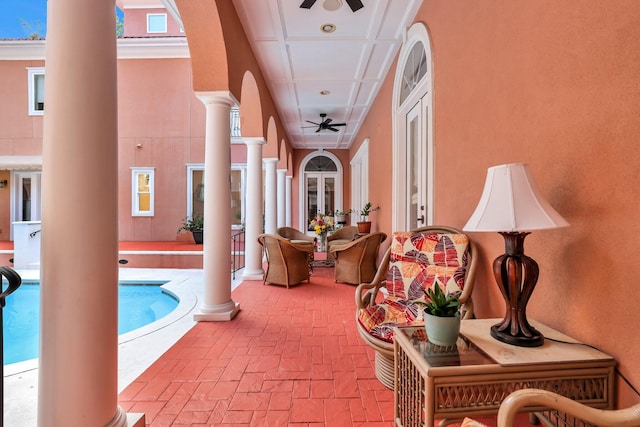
x,y
3,183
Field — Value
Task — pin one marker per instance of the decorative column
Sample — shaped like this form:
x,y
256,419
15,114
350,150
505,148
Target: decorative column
x,y
78,364
281,196
217,305
287,201
270,196
254,208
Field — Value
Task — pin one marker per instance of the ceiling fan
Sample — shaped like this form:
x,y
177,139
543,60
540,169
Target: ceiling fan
x,y
353,4
325,124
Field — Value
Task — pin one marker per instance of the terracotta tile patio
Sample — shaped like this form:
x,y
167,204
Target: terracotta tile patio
x,y
291,357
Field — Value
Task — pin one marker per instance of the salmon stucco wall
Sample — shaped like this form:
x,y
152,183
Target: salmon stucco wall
x,y
166,137
555,85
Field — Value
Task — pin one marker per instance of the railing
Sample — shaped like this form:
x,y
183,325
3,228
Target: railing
x,y
14,280
237,252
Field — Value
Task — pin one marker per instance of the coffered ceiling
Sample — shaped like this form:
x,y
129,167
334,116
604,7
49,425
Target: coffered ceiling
x,y
336,72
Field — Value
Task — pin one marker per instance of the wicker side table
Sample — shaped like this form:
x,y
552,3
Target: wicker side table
x,y
475,376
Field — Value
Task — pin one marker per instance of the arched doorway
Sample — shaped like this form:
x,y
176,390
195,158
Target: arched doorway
x,y
320,187
413,133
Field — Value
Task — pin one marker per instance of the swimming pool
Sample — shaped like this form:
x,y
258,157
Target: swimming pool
x,y
138,305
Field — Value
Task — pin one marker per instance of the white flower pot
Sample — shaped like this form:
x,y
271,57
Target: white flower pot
x,y
442,331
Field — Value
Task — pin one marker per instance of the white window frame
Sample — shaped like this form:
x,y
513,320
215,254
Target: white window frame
x,y
135,200
156,15
359,180
32,72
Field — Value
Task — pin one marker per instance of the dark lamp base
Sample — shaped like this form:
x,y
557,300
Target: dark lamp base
x,y
535,340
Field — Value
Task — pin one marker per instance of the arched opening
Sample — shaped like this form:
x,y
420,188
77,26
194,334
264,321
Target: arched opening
x,y
320,186
413,162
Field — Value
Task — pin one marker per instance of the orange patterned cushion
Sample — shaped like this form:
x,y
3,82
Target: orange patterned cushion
x,y
417,261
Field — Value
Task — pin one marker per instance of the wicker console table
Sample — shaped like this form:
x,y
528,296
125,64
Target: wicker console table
x,y
475,376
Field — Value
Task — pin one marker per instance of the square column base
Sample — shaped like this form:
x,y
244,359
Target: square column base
x,y
223,316
253,275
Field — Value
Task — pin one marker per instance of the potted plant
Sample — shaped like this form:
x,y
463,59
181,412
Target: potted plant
x,y
364,225
194,224
442,316
341,216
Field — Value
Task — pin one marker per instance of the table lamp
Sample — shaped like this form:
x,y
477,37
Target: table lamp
x,y
512,206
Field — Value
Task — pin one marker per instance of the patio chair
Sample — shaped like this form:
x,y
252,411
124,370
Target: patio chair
x,y
341,236
295,235
414,262
356,261
288,263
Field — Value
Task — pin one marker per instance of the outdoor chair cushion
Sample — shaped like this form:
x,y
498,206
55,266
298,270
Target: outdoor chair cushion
x,y
416,262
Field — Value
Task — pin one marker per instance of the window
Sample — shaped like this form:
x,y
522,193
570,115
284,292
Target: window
x,y
142,189
36,91
196,193
156,23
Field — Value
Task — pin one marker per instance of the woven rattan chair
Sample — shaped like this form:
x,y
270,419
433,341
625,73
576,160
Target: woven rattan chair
x,y
356,261
287,262
519,400
295,235
341,236
435,253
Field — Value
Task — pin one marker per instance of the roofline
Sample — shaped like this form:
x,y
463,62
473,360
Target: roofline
x,y
128,48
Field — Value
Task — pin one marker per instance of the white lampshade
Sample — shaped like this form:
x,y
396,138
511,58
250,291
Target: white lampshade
x,y
511,201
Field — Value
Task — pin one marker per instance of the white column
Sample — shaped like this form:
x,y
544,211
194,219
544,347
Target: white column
x,y
287,202
254,208
78,364
217,305
270,196
281,196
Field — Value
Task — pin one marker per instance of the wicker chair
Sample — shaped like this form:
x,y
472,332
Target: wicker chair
x,y
341,236
435,253
356,261
287,263
295,235
519,400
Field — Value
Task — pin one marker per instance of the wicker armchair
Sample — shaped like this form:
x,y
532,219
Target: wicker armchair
x,y
414,262
534,398
341,236
356,261
295,235
287,262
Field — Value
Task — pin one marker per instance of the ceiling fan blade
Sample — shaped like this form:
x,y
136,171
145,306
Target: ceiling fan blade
x,y
306,4
313,123
326,122
319,129
353,4
333,129
338,124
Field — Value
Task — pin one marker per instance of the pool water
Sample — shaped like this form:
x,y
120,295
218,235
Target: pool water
x,y
138,305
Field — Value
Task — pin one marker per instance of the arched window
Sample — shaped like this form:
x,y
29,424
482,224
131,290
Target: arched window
x,y
321,186
413,133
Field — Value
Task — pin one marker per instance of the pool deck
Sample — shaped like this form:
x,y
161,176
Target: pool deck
x,y
137,350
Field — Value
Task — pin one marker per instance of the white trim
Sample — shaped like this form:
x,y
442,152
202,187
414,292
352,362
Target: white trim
x,y
339,202
359,179
135,201
129,48
32,72
423,91
190,168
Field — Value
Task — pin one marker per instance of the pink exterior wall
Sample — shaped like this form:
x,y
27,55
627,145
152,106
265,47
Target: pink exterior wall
x,y
135,23
555,85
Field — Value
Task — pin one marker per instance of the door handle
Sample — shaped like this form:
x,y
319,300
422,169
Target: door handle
x,y
421,219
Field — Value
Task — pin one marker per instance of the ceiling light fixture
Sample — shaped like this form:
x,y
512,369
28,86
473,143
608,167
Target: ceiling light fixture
x,y
324,92
332,5
328,28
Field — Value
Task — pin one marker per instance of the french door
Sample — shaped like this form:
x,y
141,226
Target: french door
x,y
26,196
320,191
416,171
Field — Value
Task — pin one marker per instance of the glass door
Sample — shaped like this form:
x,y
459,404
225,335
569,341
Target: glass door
x,y
416,182
320,190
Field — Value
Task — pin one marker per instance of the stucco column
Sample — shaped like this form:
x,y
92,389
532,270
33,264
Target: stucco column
x,y
78,364
254,208
217,305
281,196
270,196
287,201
